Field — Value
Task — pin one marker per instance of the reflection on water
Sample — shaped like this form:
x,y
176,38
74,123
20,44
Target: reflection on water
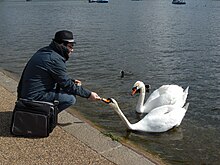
x,y
152,41
173,134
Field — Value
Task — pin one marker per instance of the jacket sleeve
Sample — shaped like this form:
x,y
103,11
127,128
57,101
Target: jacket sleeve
x,y
58,72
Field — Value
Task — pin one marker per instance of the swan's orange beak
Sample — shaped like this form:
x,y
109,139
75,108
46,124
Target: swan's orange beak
x,y
106,100
134,90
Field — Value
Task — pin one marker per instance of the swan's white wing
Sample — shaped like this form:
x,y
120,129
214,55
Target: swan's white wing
x,y
164,99
161,119
153,95
164,109
177,90
166,95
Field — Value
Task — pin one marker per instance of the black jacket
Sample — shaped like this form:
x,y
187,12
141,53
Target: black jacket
x,y
45,69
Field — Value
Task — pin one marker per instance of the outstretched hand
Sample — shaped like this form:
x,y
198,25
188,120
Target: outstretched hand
x,y
94,96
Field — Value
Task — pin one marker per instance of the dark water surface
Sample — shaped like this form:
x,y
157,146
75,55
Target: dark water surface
x,y
151,40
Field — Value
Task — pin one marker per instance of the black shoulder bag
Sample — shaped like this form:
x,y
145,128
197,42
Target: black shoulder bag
x,y
34,118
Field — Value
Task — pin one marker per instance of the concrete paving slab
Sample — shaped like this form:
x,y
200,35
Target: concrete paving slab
x,y
9,83
128,157
89,135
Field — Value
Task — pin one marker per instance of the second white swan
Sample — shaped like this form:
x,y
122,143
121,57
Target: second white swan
x,y
165,95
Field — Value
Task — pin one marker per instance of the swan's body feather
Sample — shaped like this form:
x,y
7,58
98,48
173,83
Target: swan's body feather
x,y
161,119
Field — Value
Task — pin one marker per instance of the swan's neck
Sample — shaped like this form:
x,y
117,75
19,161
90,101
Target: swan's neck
x,y
140,103
122,116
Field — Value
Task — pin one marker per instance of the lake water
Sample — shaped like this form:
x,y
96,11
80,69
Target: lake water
x,y
151,40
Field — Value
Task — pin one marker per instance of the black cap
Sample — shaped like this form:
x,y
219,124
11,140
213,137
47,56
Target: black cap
x,y
64,36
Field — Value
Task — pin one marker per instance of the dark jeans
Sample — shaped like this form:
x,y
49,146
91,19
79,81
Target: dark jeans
x,y
65,100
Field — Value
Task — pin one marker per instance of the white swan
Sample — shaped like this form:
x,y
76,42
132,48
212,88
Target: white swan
x,y
165,95
160,119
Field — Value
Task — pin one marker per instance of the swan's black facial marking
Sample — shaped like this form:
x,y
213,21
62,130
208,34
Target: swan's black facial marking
x,y
135,90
